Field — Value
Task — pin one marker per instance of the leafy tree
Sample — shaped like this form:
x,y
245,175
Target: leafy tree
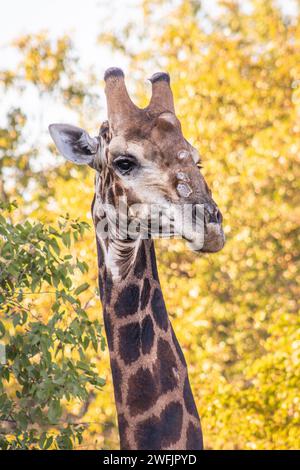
x,y
46,330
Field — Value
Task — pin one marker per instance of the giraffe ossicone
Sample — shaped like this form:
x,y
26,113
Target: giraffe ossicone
x,y
142,160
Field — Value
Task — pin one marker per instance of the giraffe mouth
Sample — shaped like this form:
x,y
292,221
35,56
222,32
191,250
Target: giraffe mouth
x,y
214,239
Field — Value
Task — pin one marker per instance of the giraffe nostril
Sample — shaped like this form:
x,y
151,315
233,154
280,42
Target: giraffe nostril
x,y
213,215
219,217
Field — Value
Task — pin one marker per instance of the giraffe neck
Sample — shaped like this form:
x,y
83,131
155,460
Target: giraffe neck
x,y
155,406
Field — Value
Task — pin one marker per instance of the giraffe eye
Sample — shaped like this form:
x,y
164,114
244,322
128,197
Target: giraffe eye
x,y
125,164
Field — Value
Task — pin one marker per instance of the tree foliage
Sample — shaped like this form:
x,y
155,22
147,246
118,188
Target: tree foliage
x,y
236,81
46,330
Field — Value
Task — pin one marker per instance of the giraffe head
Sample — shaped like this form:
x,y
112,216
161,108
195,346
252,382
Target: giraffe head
x,y
141,155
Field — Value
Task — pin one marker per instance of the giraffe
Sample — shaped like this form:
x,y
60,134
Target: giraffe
x,y
141,156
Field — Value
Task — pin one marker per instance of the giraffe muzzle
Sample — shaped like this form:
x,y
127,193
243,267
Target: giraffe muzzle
x,y
213,238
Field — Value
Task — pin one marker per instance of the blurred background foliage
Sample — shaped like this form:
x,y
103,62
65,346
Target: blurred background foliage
x,y
236,82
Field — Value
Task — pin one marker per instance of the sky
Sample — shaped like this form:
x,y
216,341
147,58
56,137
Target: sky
x,y
82,19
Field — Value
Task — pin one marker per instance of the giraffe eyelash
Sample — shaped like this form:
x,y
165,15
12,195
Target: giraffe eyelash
x,y
199,165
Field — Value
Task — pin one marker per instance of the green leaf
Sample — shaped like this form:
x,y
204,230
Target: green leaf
x,y
64,442
66,238
81,288
42,440
2,329
54,411
55,246
22,419
48,442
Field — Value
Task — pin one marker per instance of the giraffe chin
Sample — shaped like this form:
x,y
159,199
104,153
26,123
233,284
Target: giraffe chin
x,y
214,240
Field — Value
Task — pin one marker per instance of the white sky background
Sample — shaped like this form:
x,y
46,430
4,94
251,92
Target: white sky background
x,y
82,20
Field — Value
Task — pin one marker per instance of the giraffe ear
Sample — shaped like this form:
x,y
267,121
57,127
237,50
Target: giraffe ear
x,y
74,143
